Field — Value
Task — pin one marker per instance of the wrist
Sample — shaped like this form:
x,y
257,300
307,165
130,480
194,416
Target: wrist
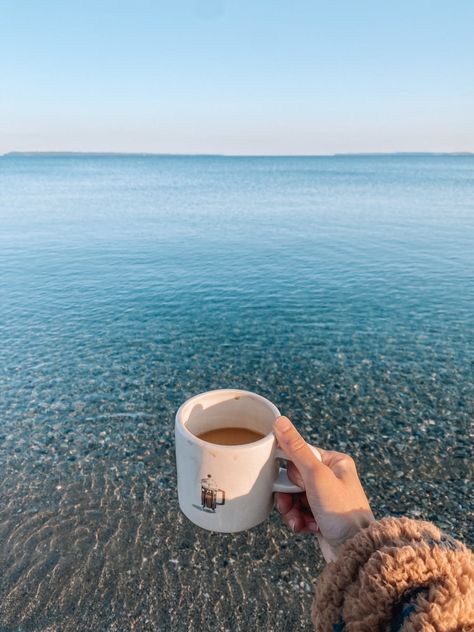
x,y
331,548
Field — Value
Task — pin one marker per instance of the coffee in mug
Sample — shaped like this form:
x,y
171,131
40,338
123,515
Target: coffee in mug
x,y
231,436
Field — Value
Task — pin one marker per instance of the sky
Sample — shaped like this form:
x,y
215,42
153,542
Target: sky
x,y
236,76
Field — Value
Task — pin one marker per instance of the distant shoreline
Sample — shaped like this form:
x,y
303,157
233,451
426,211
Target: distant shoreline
x,y
98,154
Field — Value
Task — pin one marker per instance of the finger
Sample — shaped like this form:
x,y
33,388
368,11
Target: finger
x,y
310,525
301,521
283,502
293,445
301,502
294,520
294,475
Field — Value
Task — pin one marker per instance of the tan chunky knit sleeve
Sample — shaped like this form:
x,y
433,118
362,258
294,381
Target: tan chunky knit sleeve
x,y
397,574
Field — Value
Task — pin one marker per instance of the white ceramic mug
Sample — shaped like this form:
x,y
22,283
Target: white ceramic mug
x,y
228,488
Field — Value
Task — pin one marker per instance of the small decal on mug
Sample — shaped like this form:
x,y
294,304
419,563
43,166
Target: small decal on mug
x,y
211,495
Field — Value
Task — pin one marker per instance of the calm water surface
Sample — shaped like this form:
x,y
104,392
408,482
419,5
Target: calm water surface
x,y
341,288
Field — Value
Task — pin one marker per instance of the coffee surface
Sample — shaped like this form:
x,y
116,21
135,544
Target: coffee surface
x,y
231,436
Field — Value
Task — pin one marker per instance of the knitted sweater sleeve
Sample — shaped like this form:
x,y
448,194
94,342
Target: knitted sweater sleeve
x,y
397,574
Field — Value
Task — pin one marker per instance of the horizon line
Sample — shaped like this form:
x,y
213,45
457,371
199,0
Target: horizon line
x,y
222,155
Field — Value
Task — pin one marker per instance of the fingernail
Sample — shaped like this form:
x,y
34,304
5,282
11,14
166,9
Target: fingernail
x,y
282,424
292,524
277,505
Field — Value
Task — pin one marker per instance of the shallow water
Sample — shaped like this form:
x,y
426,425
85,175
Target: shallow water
x,y
341,288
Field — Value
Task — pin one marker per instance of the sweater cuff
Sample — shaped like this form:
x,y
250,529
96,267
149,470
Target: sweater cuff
x,y
387,561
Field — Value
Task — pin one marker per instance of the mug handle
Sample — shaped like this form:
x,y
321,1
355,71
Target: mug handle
x,y
283,483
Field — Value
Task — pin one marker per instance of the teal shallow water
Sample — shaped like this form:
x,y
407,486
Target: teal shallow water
x,y
341,288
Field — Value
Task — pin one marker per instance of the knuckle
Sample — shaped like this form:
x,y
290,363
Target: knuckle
x,y
348,462
296,443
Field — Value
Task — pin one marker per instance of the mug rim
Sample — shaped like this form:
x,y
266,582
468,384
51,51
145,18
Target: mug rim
x,y
247,446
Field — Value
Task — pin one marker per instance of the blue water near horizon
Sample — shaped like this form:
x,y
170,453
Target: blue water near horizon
x,y
245,250
342,288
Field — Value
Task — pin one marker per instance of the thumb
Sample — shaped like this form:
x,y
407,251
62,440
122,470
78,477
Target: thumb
x,y
294,446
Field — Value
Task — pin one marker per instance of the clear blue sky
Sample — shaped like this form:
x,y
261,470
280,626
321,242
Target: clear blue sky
x,y
240,76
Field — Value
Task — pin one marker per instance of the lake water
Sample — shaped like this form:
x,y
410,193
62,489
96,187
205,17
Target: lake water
x,y
341,288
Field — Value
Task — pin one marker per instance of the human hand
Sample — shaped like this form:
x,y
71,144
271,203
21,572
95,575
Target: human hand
x,y
333,505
